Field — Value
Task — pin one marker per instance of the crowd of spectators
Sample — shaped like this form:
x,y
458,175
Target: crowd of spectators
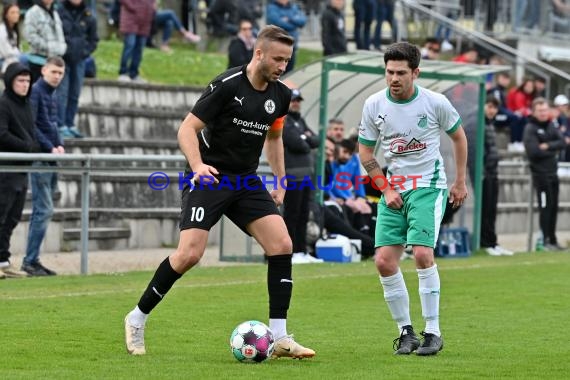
x,y
68,29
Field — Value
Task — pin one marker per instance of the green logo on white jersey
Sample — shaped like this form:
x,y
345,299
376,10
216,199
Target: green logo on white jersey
x,y
423,122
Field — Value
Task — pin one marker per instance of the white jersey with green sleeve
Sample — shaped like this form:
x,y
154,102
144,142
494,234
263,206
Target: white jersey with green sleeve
x,y
409,135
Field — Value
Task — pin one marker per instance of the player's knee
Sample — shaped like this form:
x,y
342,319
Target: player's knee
x,y
385,265
282,245
423,256
185,258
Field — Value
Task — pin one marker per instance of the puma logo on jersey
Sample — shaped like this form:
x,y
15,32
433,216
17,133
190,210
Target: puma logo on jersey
x,y
239,100
212,87
380,119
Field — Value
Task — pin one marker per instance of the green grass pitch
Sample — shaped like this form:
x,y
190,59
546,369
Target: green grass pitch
x,y
501,318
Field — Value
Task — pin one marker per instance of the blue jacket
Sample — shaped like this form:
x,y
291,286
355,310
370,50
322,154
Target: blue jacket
x,y
344,178
80,31
289,17
44,109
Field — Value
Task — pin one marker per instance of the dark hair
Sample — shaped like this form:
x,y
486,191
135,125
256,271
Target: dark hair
x,y
348,144
468,48
56,61
524,81
540,79
432,40
336,120
403,51
492,100
11,30
244,20
272,33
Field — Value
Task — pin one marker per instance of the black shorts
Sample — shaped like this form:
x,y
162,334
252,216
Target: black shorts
x,y
241,199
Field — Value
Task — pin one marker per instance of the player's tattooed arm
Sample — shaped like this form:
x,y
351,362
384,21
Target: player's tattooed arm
x,y
371,165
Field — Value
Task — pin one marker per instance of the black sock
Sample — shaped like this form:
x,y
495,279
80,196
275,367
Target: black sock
x,y
163,279
279,285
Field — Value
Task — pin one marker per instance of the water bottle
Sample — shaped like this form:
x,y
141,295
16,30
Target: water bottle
x,y
452,244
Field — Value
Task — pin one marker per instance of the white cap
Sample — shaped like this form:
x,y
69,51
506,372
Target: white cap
x,y
560,100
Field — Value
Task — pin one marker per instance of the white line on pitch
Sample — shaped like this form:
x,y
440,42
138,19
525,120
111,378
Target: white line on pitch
x,y
251,282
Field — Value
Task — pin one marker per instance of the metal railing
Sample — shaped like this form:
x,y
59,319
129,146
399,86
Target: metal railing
x,y
88,165
531,195
532,64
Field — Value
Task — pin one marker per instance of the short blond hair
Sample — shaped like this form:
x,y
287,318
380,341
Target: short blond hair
x,y
273,33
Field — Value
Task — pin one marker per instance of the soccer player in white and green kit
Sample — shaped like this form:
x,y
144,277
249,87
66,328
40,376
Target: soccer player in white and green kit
x,y
406,119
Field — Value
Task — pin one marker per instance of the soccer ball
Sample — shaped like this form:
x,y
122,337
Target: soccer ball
x,y
252,341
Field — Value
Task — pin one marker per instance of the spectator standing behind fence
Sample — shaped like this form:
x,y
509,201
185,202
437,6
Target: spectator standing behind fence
x,y
560,18
333,24
364,11
526,10
543,142
290,17
223,18
44,108
298,143
10,37
80,31
450,9
384,12
241,46
490,197
251,10
16,135
135,24
44,32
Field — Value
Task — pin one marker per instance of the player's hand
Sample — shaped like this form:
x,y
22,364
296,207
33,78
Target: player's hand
x,y
204,174
278,195
393,199
458,193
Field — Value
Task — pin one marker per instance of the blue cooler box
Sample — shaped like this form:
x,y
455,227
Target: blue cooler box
x,y
453,242
336,248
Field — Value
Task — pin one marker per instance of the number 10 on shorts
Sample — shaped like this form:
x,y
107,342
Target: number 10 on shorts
x,y
197,214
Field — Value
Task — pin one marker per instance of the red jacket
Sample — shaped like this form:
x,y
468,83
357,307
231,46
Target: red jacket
x,y
519,101
136,17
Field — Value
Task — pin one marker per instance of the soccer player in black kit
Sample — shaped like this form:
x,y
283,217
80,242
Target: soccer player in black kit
x,y
222,138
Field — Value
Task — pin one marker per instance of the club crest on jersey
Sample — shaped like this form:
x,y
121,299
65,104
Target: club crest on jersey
x,y
269,106
422,121
402,147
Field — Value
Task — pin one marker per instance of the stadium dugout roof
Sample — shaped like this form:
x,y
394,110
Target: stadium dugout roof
x,y
337,86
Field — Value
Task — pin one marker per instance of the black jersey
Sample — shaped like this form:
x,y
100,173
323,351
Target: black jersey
x,y
237,119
